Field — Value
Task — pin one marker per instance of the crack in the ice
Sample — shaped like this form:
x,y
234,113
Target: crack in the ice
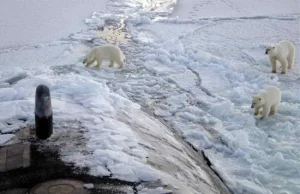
x,y
32,46
198,82
262,17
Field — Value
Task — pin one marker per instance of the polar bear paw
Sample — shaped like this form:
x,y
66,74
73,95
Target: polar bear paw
x,y
263,118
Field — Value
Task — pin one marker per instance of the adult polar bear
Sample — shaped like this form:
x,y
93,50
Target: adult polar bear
x,y
267,99
284,52
100,53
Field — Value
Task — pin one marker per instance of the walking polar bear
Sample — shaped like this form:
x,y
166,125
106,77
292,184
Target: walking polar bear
x,y
284,52
110,52
268,99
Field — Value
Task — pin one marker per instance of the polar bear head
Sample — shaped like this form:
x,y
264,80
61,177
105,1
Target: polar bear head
x,y
257,101
271,50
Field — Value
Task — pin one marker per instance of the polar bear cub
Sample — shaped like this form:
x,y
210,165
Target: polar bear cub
x,y
268,99
284,52
100,53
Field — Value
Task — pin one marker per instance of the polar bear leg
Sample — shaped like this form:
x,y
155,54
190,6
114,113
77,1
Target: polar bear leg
x,y
290,60
256,111
283,65
273,109
111,63
120,63
273,62
99,63
266,112
90,62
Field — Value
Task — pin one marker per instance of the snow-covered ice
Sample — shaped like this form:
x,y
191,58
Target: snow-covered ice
x,y
229,9
196,70
31,22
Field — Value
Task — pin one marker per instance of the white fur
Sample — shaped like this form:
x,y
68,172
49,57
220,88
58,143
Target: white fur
x,y
284,52
109,52
268,99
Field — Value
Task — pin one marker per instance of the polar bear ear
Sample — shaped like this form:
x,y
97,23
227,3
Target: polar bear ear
x,y
273,47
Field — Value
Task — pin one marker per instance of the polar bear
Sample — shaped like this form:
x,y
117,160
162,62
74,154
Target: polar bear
x,y
284,52
268,99
100,53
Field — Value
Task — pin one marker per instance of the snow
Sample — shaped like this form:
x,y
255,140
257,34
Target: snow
x,y
88,185
196,70
159,190
10,129
6,138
